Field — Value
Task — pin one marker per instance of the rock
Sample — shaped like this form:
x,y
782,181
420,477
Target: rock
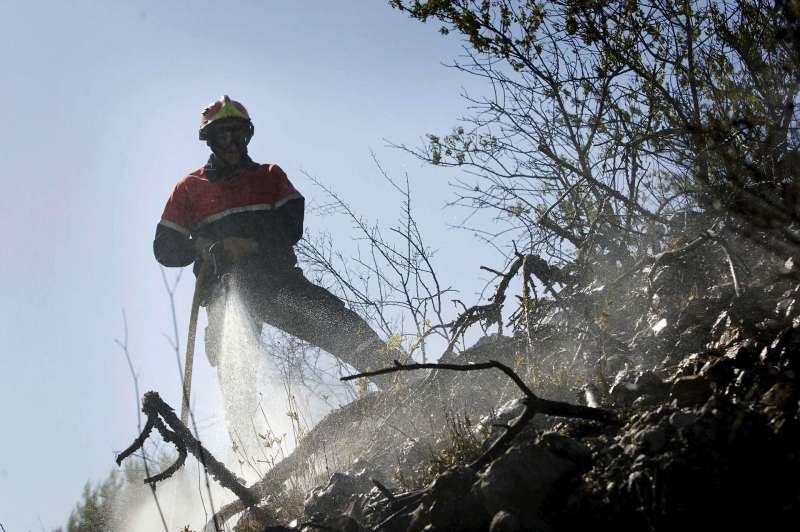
x,y
743,354
782,351
644,401
690,391
504,522
342,489
654,439
719,371
639,487
527,475
452,504
457,512
659,326
691,365
692,339
508,522
785,308
616,363
623,390
627,388
340,523
649,383
726,331
454,480
567,447
781,395
683,420
745,379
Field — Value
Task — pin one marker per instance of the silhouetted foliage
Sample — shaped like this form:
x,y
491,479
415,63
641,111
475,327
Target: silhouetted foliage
x,y
606,118
95,511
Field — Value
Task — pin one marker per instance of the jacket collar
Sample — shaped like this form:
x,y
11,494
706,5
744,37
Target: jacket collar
x,y
216,170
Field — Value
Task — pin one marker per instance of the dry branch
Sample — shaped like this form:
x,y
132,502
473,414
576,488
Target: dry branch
x,y
162,417
533,404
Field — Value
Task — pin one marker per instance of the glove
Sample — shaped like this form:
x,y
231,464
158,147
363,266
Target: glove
x,y
234,248
228,250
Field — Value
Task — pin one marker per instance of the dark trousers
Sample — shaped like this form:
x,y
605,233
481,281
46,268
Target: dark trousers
x,y
288,301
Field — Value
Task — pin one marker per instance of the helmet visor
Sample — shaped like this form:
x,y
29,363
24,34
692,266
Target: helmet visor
x,y
226,132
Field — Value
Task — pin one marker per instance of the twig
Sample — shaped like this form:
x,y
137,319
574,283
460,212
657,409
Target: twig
x,y
175,344
138,442
124,346
490,312
674,254
492,270
384,491
728,256
665,256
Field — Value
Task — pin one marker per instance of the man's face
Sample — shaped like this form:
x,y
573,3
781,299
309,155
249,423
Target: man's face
x,y
228,139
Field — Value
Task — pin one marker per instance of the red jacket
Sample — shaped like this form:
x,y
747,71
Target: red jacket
x,y
258,202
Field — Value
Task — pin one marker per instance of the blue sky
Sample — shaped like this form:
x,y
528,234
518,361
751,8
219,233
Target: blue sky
x,y
101,102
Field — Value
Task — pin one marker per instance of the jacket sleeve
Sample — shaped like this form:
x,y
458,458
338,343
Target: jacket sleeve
x,y
290,216
172,248
172,244
287,225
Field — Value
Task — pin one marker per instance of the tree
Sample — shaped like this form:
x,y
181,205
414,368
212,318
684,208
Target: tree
x,y
619,136
96,510
605,119
103,506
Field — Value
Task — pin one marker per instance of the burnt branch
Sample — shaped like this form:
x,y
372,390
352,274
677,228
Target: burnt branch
x,y
533,404
162,417
491,312
169,437
138,442
454,367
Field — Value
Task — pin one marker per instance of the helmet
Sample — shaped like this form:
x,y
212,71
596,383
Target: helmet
x,y
222,108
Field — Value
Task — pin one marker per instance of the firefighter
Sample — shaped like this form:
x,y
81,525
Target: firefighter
x,y
243,219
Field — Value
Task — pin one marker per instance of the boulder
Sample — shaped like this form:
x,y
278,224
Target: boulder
x,y
527,475
628,387
450,504
691,390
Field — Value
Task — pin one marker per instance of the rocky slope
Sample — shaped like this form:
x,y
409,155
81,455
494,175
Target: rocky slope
x,y
704,381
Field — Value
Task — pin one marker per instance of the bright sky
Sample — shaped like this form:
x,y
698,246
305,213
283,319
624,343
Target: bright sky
x,y
101,102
